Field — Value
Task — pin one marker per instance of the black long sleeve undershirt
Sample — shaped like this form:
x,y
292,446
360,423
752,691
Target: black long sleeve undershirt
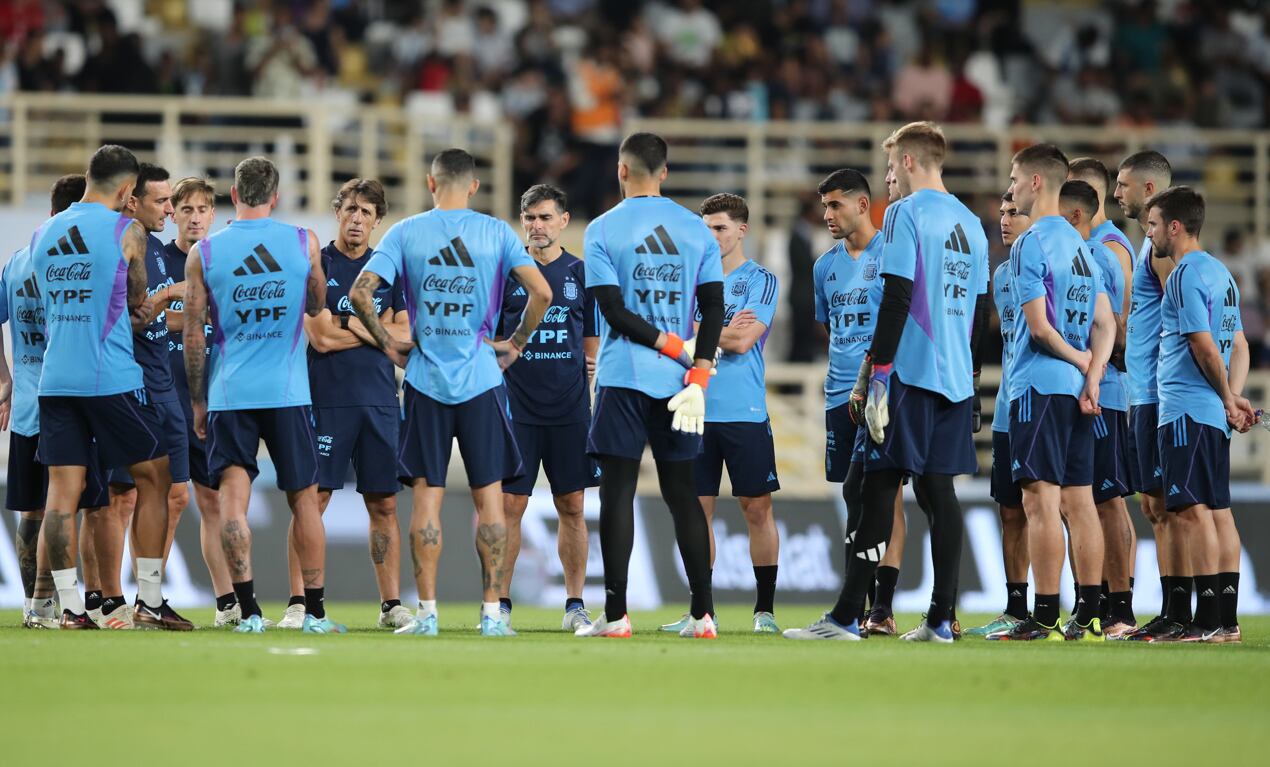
x,y
710,303
978,330
636,328
897,296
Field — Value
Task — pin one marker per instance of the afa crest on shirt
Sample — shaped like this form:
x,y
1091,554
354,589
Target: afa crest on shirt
x,y
738,288
570,290
870,271
163,269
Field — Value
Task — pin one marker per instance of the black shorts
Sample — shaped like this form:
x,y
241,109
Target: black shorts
x,y
1196,463
561,449
627,419
747,449
1051,440
364,436
233,439
1145,472
126,428
1002,487
28,479
927,434
483,427
844,443
1111,455
176,433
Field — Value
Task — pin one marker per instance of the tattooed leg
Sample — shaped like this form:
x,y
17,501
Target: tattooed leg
x,y
385,544
235,537
295,577
66,484
425,536
491,539
28,544
310,536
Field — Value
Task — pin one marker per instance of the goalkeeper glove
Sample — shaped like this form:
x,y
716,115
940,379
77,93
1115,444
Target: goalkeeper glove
x,y
678,350
859,393
976,418
875,409
689,405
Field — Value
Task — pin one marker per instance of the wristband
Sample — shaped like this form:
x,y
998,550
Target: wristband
x,y
674,346
698,376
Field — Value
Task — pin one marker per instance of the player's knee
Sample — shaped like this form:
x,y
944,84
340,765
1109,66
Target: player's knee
x,y
382,507
178,498
757,511
569,506
1013,517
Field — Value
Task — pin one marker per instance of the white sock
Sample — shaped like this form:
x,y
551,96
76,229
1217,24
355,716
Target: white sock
x,y
67,583
150,581
490,610
45,607
426,607
28,604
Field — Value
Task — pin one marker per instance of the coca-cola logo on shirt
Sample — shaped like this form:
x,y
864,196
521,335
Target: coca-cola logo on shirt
x,y
459,285
265,291
80,270
658,272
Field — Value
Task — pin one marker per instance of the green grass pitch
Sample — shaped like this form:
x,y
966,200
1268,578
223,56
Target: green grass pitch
x,y
547,698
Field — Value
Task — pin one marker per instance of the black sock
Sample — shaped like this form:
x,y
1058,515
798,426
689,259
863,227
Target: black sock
x,y
110,604
315,602
1121,606
887,578
246,593
1166,585
678,489
573,602
505,603
295,600
1229,599
1131,583
226,601
765,591
1104,602
1207,607
1087,604
1179,609
1045,611
618,478
388,604
1016,600
868,542
1075,595
938,499
92,600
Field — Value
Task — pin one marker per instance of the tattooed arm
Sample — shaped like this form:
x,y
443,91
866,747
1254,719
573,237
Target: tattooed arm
x,y
362,297
140,308
315,299
195,342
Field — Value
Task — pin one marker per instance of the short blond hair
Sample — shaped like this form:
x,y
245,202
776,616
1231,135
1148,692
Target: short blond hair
x,y
923,141
192,185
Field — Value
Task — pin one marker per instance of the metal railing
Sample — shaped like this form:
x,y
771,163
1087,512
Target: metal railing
x,y
317,144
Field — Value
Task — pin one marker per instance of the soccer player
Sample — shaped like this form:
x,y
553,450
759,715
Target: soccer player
x,y
1004,490
150,204
1141,176
920,374
738,431
193,212
648,260
549,391
452,263
354,389
27,486
1080,204
1201,328
255,279
1063,336
90,268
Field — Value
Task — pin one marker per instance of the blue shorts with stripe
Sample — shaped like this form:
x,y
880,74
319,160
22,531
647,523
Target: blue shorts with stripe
x,y
365,436
844,443
1145,471
176,434
233,439
747,449
1111,455
1001,485
1196,464
1051,440
483,427
28,479
561,450
127,429
928,434
627,419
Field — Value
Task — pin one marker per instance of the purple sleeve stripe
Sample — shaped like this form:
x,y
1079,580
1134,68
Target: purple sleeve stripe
x,y
919,309
121,225
118,299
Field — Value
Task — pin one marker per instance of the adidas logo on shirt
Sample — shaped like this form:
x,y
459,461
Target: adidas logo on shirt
x,y
447,255
519,292
662,245
832,276
259,263
957,241
76,245
1231,297
332,283
29,289
1080,266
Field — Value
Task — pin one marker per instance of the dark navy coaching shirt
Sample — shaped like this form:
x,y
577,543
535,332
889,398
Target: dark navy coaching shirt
x,y
363,376
548,384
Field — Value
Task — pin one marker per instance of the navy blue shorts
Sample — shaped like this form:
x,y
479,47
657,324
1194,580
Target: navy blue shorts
x,y
1001,485
28,479
175,431
627,419
748,451
233,439
1196,460
561,449
363,436
1111,456
928,434
483,426
1051,440
126,427
844,443
1145,472
197,447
